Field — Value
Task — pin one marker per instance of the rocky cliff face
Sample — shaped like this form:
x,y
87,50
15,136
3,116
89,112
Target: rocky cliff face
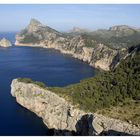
x,y
64,118
99,48
5,43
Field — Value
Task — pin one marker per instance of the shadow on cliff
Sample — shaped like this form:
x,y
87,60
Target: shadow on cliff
x,y
84,127
113,133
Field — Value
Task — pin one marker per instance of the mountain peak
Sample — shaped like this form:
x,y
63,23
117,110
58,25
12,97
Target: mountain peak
x,y
120,28
35,22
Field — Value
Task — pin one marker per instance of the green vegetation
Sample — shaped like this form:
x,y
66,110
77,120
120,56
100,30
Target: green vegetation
x,y
88,40
92,41
115,93
30,38
28,80
25,80
129,112
111,40
118,88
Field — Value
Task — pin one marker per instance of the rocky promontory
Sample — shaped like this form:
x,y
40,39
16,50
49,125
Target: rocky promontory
x,y
5,43
102,49
63,117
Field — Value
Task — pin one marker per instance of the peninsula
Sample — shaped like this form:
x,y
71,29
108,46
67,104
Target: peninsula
x,y
102,49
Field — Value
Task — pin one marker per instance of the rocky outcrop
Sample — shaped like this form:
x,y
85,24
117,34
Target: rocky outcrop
x,y
64,118
99,48
5,43
123,30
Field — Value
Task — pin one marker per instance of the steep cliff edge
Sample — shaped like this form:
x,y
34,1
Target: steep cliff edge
x,y
101,49
60,115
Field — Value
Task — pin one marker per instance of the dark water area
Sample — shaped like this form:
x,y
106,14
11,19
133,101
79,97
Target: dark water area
x,y
45,65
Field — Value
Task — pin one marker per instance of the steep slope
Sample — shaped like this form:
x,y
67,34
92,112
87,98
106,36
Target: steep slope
x,y
35,32
101,49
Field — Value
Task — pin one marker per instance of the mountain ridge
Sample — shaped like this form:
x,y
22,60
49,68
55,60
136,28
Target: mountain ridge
x,y
97,48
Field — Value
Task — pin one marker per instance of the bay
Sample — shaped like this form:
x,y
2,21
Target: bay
x,y
40,64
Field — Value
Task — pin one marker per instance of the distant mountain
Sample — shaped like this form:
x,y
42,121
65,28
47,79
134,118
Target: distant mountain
x,y
35,32
79,30
101,49
121,36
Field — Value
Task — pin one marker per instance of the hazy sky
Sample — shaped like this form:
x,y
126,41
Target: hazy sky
x,y
64,17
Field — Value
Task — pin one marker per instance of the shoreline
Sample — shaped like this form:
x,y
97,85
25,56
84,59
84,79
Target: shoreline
x,y
70,53
43,97
26,44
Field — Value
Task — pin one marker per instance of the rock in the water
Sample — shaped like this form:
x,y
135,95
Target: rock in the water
x,y
5,43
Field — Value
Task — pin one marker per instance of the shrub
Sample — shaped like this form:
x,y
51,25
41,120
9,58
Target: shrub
x,y
28,80
114,88
41,84
25,80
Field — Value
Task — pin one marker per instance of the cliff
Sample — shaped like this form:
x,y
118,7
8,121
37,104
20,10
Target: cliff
x,y
5,43
101,49
63,117
114,93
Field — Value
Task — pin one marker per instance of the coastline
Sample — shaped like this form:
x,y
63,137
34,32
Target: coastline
x,y
60,115
27,44
86,55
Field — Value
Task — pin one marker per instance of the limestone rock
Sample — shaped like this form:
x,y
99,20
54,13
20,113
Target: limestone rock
x,y
99,48
5,43
62,117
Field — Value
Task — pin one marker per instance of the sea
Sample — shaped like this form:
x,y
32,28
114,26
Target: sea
x,y
40,64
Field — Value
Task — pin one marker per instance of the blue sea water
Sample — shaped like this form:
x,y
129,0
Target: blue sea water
x,y
45,65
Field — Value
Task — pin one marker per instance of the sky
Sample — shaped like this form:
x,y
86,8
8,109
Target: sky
x,y
65,17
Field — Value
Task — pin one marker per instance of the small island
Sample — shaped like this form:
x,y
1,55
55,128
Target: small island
x,y
5,43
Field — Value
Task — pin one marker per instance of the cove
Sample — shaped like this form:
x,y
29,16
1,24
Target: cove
x,y
45,65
